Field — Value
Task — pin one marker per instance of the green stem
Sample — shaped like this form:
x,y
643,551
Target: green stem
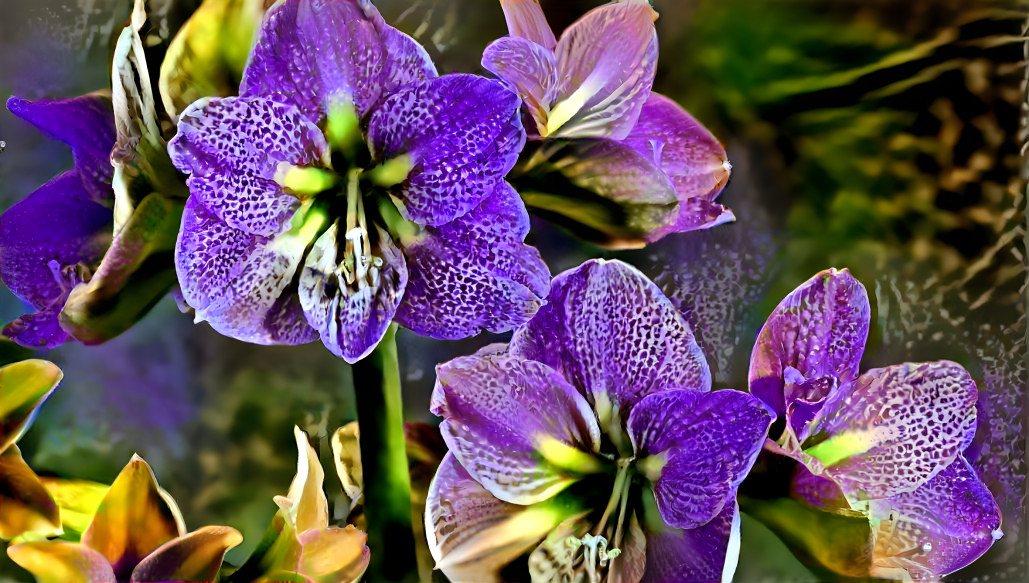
x,y
387,480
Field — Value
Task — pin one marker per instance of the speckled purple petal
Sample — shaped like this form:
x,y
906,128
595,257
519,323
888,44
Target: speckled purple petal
x,y
86,124
471,534
462,133
819,329
42,238
498,410
351,319
239,282
475,273
942,526
525,19
703,445
232,148
909,421
699,555
606,63
690,155
531,68
316,55
608,329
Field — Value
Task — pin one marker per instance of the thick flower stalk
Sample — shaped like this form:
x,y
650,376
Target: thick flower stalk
x,y
886,444
619,164
53,239
137,534
349,186
592,441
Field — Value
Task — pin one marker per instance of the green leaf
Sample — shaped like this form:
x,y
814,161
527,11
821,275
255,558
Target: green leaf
x,y
23,388
135,273
827,543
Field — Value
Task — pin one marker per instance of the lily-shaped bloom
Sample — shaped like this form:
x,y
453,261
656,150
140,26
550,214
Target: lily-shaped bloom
x,y
25,503
595,432
137,534
52,240
299,544
655,169
349,186
886,444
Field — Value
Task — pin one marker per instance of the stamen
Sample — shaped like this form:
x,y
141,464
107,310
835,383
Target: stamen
x,y
359,266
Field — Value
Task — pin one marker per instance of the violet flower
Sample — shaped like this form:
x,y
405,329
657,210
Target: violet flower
x,y
52,239
886,443
348,186
637,166
595,432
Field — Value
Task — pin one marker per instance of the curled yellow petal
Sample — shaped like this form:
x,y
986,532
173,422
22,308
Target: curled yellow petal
x,y
25,505
196,556
133,520
23,388
61,562
334,555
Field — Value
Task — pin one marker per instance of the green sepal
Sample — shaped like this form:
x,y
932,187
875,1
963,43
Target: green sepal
x,y
135,273
570,183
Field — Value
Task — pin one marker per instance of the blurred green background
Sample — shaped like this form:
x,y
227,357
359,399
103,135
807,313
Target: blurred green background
x,y
879,135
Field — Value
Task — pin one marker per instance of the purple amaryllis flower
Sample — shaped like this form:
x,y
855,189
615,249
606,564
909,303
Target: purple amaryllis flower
x,y
595,432
655,169
348,186
52,240
886,443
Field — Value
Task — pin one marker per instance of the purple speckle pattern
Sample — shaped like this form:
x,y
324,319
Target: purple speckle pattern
x,y
608,329
708,442
318,54
242,234
943,525
232,147
917,419
235,280
475,273
819,330
559,378
495,411
462,134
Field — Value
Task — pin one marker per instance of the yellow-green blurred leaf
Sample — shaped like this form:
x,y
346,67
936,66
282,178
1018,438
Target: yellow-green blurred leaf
x,y
207,57
196,556
346,452
25,505
821,540
134,519
23,388
61,562
78,501
334,555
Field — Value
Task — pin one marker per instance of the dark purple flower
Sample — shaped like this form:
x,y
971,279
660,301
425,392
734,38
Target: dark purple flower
x,y
348,186
595,432
886,443
53,239
589,94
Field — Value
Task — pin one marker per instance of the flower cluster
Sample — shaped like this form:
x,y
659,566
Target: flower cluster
x,y
622,461
886,444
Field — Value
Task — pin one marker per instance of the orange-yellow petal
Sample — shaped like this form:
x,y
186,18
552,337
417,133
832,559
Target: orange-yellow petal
x,y
23,388
25,505
196,556
61,562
